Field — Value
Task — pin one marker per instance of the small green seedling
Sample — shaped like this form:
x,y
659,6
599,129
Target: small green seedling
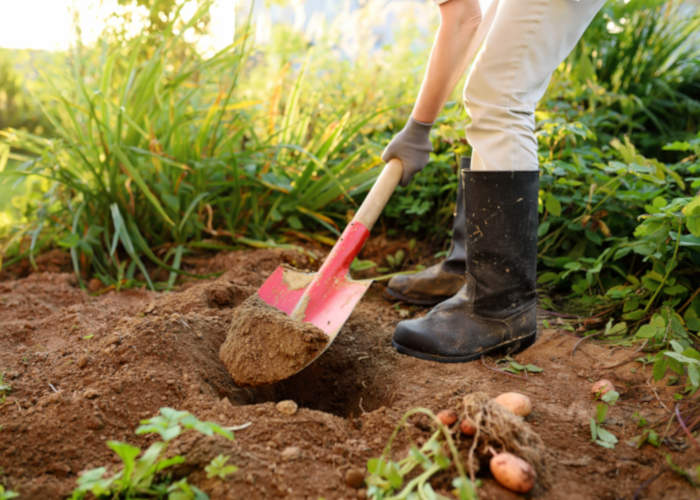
x,y
362,265
140,472
218,467
5,389
7,494
396,260
513,366
601,436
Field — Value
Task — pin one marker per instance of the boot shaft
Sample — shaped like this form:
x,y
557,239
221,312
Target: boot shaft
x,y
454,263
501,218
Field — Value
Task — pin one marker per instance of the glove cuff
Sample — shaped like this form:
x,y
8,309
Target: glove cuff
x,y
428,125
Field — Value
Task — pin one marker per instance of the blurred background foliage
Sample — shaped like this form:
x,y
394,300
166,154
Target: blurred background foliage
x,y
138,151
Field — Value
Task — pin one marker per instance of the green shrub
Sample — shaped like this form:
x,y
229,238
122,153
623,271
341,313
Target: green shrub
x,y
636,71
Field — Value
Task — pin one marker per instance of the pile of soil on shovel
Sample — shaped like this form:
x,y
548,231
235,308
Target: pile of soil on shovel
x,y
264,345
85,369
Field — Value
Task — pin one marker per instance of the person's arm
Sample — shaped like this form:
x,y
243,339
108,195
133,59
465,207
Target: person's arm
x,y
459,20
459,37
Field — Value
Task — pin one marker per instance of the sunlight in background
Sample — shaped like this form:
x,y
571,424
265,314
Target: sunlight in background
x,y
48,24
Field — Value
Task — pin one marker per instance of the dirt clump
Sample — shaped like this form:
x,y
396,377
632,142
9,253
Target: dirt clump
x,y
264,345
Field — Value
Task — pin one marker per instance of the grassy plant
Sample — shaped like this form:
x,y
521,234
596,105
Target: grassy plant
x,y
155,154
142,477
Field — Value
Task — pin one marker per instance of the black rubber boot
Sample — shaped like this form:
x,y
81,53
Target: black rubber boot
x,y
443,280
497,309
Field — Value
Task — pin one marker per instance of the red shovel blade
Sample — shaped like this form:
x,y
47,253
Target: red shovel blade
x,y
326,298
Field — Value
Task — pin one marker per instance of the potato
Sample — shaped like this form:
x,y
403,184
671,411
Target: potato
x,y
513,472
447,417
515,402
602,386
467,427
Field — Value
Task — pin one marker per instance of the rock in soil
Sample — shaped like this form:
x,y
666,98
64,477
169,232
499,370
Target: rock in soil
x,y
287,407
354,478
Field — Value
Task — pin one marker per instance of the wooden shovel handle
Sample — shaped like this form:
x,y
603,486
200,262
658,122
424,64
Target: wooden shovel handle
x,y
380,193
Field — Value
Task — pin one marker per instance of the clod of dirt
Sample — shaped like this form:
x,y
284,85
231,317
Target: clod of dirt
x,y
497,426
354,478
287,407
264,345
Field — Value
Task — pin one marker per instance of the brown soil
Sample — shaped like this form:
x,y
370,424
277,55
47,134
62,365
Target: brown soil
x,y
264,345
86,369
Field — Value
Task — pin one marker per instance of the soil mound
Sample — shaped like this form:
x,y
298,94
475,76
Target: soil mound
x,y
85,369
264,345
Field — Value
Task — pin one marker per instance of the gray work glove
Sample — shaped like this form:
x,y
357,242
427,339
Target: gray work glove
x,y
412,146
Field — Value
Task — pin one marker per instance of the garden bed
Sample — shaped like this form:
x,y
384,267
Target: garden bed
x,y
85,369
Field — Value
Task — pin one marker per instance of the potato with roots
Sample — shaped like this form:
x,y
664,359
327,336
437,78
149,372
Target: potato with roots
x,y
467,427
497,426
512,472
517,403
447,417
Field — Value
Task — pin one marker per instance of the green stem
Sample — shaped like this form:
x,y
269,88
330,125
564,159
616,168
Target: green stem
x,y
670,268
415,481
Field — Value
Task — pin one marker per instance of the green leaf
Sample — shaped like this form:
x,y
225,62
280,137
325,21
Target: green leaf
x,y
693,225
393,474
92,481
594,429
676,346
691,354
428,493
361,265
606,436
533,368
128,455
69,241
693,207
145,469
517,365
647,332
659,369
547,277
692,322
553,205
610,397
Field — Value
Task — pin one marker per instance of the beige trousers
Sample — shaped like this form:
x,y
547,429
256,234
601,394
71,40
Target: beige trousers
x,y
526,42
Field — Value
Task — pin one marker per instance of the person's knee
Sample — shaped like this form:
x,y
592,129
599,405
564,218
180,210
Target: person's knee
x,y
477,94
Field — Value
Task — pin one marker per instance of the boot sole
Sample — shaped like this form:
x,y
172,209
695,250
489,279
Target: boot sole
x,y
510,347
419,302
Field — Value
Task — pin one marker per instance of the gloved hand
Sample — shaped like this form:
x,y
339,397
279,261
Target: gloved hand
x,y
412,146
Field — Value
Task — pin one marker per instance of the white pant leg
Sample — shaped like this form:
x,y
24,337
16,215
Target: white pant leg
x,y
526,43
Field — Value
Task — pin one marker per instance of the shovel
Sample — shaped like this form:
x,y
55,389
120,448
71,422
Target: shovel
x,y
326,298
